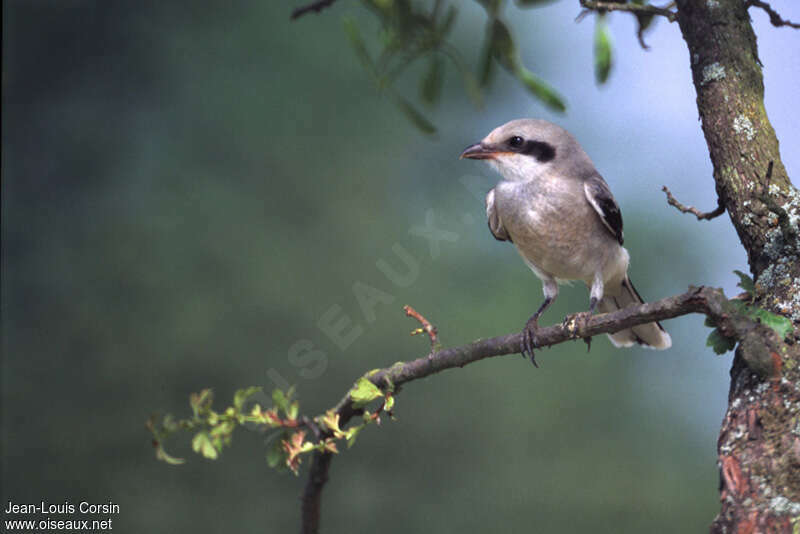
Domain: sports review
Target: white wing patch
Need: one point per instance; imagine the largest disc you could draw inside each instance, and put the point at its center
(599, 196)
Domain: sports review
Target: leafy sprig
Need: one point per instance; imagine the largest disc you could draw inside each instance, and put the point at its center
(213, 430)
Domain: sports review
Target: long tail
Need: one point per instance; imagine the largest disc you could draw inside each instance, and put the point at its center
(650, 335)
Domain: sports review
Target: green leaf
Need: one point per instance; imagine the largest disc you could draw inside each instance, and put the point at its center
(241, 396)
(359, 47)
(486, 68)
(294, 408)
(201, 401)
(352, 434)
(502, 45)
(388, 404)
(201, 444)
(745, 282)
(540, 89)
(225, 428)
(276, 456)
(720, 343)
(504, 50)
(162, 455)
(169, 424)
(280, 400)
(602, 50)
(413, 115)
(431, 87)
(364, 392)
(780, 324)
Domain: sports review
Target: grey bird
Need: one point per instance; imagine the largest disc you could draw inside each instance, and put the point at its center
(554, 206)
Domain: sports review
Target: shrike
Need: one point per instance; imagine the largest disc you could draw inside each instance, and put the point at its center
(554, 206)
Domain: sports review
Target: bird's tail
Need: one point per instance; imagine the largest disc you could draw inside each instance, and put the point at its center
(650, 335)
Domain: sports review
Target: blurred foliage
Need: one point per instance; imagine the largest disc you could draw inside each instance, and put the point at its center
(414, 31)
(418, 31)
(602, 50)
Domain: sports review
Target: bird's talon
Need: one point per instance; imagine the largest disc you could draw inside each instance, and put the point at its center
(529, 340)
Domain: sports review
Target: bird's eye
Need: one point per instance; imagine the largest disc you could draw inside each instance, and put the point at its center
(515, 142)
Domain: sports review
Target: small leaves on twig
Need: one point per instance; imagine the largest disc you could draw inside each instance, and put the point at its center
(723, 338)
(214, 430)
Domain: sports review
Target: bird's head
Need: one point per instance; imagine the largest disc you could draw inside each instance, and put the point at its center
(525, 149)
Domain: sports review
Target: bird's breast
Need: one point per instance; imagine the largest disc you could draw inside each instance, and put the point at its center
(554, 228)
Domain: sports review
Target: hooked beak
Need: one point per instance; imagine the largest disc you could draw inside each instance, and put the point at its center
(478, 151)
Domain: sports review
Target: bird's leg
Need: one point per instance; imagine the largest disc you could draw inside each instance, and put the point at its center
(529, 338)
(592, 306)
(577, 322)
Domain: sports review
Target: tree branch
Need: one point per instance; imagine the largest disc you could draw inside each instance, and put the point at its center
(774, 17)
(708, 301)
(645, 9)
(672, 201)
(316, 7)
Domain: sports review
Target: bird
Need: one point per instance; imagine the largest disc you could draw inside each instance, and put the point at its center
(553, 205)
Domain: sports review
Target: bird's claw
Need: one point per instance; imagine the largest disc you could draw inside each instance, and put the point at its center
(530, 339)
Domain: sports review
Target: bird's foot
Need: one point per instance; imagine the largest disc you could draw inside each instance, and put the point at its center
(530, 339)
(576, 323)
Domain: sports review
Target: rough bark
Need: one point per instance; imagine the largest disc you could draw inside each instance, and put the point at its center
(759, 443)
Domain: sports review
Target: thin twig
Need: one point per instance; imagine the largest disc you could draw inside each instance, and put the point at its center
(672, 201)
(708, 301)
(640, 37)
(774, 17)
(316, 7)
(427, 327)
(593, 5)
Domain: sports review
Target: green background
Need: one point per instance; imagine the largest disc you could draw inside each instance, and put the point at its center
(188, 187)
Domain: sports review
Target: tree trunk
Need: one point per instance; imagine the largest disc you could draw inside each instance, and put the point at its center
(759, 443)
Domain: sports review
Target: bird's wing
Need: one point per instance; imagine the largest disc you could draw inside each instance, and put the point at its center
(495, 224)
(599, 196)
